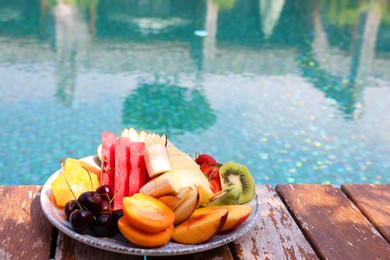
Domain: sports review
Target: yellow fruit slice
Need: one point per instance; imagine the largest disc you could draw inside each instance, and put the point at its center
(79, 181)
(204, 196)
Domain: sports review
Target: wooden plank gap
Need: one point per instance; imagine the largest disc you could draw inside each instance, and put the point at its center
(275, 234)
(333, 224)
(373, 201)
(53, 246)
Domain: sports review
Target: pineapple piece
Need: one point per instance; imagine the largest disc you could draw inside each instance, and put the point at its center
(79, 181)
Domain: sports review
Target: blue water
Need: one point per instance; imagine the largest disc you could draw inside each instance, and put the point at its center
(298, 91)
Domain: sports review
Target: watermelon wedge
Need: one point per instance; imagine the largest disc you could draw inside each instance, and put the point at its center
(108, 159)
(122, 170)
(138, 174)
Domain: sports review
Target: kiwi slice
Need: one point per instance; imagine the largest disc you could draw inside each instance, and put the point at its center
(227, 196)
(232, 173)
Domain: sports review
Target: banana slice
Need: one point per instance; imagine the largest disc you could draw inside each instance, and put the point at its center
(156, 160)
(161, 185)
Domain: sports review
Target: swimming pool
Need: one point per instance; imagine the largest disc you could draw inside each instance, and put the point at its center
(298, 91)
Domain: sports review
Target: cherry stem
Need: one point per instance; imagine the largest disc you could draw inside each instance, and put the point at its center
(67, 183)
(112, 198)
(109, 204)
(89, 175)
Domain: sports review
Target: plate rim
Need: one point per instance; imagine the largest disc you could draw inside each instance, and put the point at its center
(101, 243)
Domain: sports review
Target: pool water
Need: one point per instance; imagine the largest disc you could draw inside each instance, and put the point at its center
(299, 91)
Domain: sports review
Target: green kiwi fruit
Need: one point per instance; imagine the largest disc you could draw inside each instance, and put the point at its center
(227, 196)
(232, 173)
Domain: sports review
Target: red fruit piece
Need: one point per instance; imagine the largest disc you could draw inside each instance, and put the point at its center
(138, 173)
(108, 159)
(206, 158)
(215, 185)
(122, 170)
(212, 174)
(209, 171)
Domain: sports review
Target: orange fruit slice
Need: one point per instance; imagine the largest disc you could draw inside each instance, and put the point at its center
(147, 213)
(142, 238)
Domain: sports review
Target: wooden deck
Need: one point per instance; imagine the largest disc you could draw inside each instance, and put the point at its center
(296, 222)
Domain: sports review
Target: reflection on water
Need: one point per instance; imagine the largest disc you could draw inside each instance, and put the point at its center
(72, 39)
(270, 11)
(166, 108)
(294, 89)
(346, 90)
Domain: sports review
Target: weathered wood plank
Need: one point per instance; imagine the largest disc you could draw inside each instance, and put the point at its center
(222, 252)
(374, 202)
(275, 235)
(332, 223)
(69, 248)
(25, 233)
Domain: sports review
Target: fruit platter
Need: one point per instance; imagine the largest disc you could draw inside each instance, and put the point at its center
(141, 195)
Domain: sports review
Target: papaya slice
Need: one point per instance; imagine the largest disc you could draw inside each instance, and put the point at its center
(147, 213)
(142, 238)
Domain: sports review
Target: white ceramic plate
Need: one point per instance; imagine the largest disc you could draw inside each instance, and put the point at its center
(119, 244)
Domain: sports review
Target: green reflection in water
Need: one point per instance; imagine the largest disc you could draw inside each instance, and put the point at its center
(168, 109)
(225, 5)
(341, 13)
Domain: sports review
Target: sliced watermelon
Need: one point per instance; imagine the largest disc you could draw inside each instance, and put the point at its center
(108, 159)
(138, 173)
(122, 170)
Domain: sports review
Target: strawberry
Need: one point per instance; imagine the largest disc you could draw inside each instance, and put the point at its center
(206, 158)
(215, 185)
(212, 174)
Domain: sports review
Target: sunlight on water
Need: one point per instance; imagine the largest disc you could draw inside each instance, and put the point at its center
(296, 90)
